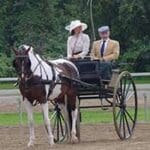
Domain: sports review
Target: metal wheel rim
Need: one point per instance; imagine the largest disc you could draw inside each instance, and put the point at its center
(124, 125)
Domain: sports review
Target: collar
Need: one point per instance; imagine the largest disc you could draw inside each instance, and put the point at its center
(78, 34)
(105, 40)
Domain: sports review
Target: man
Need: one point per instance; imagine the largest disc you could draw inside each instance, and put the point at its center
(105, 50)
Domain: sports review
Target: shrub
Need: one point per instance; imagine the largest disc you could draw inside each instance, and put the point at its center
(6, 68)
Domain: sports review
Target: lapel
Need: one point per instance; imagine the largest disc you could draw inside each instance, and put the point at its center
(98, 47)
(108, 48)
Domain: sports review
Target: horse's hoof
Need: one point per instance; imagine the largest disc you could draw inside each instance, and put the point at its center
(51, 142)
(74, 140)
(30, 144)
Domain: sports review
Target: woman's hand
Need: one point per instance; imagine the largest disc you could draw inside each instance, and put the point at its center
(76, 56)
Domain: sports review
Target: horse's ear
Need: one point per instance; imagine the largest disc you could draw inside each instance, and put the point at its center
(15, 51)
(28, 50)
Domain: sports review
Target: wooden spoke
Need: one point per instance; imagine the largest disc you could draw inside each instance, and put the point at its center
(124, 127)
(124, 86)
(120, 123)
(129, 116)
(118, 114)
(129, 96)
(127, 90)
(127, 123)
(59, 126)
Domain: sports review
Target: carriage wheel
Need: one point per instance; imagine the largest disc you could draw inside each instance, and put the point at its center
(125, 106)
(59, 125)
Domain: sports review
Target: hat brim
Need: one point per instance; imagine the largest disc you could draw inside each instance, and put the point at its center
(83, 25)
(103, 29)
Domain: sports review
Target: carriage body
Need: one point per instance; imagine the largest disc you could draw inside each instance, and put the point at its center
(89, 71)
(119, 93)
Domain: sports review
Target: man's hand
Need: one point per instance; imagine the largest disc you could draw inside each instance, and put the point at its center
(102, 59)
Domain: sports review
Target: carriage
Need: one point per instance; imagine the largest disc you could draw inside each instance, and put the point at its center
(119, 93)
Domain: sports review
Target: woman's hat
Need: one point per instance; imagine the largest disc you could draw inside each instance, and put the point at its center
(74, 24)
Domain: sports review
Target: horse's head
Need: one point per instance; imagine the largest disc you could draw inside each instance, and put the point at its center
(22, 63)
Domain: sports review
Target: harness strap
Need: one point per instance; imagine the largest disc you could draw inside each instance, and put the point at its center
(53, 83)
(41, 67)
(33, 71)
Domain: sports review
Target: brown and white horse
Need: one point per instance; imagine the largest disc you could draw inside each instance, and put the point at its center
(32, 70)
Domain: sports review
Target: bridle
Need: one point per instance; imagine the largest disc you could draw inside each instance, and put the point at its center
(26, 77)
(21, 73)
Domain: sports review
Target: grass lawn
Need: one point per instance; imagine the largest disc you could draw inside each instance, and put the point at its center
(7, 85)
(88, 116)
(142, 80)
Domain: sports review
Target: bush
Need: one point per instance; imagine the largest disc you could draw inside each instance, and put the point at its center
(137, 48)
(6, 69)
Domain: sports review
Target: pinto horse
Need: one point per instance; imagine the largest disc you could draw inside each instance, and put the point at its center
(32, 70)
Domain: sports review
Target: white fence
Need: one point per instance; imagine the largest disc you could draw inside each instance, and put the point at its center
(141, 74)
(8, 79)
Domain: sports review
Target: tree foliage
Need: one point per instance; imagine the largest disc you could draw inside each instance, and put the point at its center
(41, 23)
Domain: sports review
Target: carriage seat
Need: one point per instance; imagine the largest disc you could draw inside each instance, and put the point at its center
(88, 70)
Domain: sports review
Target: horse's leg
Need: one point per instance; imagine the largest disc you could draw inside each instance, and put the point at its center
(74, 115)
(29, 109)
(47, 123)
(66, 115)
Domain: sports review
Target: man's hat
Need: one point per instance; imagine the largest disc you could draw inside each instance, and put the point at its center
(103, 29)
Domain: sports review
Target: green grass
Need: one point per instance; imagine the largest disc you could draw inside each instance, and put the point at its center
(13, 118)
(88, 116)
(142, 80)
(96, 116)
(4, 86)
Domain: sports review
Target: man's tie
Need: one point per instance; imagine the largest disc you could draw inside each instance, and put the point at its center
(102, 49)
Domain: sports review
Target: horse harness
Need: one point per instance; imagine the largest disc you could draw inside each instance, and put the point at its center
(52, 83)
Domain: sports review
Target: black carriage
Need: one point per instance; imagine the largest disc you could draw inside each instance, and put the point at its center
(119, 93)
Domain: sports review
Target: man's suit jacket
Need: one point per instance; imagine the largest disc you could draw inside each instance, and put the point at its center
(111, 51)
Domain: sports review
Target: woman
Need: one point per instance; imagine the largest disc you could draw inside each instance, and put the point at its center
(78, 43)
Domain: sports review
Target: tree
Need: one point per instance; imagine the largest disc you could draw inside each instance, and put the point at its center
(41, 23)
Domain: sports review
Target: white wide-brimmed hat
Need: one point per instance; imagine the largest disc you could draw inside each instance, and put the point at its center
(74, 24)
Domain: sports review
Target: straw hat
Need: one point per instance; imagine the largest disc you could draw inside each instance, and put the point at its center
(74, 24)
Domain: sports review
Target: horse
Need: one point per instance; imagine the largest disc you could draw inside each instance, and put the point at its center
(32, 70)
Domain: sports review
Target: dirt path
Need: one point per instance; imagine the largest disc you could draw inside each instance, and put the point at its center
(94, 137)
